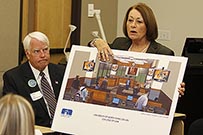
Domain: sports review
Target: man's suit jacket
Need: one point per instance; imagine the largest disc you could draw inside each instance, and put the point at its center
(123, 43)
(16, 81)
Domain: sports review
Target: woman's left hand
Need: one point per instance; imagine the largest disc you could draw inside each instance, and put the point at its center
(181, 89)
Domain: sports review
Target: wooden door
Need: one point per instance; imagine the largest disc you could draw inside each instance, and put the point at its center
(51, 17)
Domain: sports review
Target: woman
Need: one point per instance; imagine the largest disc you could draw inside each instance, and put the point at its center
(16, 116)
(141, 31)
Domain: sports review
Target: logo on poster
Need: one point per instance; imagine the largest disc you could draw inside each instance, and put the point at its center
(66, 112)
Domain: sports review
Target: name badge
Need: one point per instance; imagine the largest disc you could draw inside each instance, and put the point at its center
(36, 95)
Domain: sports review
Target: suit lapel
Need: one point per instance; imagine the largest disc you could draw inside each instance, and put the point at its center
(152, 48)
(54, 80)
(29, 76)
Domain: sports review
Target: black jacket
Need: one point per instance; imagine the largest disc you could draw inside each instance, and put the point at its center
(123, 43)
(16, 81)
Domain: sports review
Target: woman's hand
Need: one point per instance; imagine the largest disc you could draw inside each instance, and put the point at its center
(181, 89)
(103, 49)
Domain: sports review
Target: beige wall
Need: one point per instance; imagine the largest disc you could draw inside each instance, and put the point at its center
(108, 18)
(9, 34)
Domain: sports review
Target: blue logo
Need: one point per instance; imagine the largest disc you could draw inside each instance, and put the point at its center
(66, 112)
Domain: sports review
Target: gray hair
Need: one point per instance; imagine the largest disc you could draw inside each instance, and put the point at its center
(37, 35)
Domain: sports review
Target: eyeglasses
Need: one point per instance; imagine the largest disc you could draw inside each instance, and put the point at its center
(39, 51)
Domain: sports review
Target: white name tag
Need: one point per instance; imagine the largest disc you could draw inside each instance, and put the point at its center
(36, 95)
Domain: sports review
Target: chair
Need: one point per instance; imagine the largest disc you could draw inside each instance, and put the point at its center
(178, 124)
(196, 128)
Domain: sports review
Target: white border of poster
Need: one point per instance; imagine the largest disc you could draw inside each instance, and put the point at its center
(81, 118)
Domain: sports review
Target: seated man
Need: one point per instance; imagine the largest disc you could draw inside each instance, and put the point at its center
(104, 83)
(28, 79)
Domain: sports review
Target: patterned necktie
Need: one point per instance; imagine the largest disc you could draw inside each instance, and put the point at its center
(48, 94)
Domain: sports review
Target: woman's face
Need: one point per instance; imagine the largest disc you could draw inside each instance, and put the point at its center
(136, 27)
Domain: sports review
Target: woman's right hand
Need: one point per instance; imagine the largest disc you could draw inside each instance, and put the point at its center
(103, 49)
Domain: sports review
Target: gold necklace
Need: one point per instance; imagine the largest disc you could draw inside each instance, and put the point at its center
(143, 51)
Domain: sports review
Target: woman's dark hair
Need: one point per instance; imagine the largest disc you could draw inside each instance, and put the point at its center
(149, 20)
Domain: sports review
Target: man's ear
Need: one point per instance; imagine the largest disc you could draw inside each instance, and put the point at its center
(27, 53)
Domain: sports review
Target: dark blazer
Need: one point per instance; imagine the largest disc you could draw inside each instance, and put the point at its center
(123, 43)
(16, 81)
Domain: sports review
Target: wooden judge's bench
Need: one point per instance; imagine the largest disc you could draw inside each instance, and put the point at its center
(177, 127)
